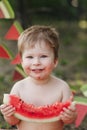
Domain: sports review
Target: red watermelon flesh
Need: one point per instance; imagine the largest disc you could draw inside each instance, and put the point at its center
(12, 33)
(4, 53)
(16, 60)
(17, 76)
(30, 112)
(82, 112)
(1, 14)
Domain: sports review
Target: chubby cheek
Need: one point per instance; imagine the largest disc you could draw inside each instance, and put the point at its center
(50, 67)
(26, 70)
(51, 64)
(25, 66)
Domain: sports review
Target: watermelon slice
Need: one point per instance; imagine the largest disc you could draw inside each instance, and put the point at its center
(16, 60)
(4, 52)
(32, 113)
(6, 10)
(14, 31)
(82, 112)
(1, 14)
(81, 109)
(20, 70)
(17, 76)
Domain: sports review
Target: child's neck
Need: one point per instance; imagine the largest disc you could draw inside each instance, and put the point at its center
(41, 81)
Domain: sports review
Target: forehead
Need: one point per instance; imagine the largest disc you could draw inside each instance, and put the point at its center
(38, 44)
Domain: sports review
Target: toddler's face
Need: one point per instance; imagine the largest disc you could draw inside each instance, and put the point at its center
(38, 61)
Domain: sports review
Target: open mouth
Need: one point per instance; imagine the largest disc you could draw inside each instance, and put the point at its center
(37, 70)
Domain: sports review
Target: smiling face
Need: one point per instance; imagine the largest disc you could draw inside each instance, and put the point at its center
(38, 61)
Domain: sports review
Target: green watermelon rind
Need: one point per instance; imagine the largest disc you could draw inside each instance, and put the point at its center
(80, 100)
(6, 100)
(52, 119)
(84, 89)
(18, 26)
(19, 69)
(7, 9)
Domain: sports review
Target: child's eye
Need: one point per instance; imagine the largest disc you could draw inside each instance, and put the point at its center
(44, 56)
(30, 57)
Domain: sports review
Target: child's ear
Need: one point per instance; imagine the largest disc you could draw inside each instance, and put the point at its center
(55, 63)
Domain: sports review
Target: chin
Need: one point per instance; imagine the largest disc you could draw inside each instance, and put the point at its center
(39, 78)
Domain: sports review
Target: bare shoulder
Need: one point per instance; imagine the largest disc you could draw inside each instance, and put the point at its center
(18, 86)
(63, 87)
(63, 84)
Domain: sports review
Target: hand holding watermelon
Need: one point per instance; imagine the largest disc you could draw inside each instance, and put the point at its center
(68, 115)
(7, 110)
(8, 113)
(29, 112)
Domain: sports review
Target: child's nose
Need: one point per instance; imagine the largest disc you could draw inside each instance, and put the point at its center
(36, 61)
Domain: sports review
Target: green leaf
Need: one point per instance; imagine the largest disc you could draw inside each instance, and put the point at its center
(84, 89)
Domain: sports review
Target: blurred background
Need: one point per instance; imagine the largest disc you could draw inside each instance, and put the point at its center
(69, 17)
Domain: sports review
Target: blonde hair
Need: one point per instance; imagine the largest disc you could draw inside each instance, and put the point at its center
(38, 33)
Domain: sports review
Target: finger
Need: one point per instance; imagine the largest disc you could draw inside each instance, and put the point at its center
(9, 108)
(72, 107)
(67, 112)
(9, 113)
(2, 106)
(66, 116)
(71, 98)
(6, 110)
(6, 107)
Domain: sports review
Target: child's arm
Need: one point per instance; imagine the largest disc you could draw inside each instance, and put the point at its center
(8, 111)
(68, 115)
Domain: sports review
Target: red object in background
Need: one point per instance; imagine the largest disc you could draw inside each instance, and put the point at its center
(12, 33)
(16, 60)
(82, 111)
(17, 76)
(1, 14)
(4, 53)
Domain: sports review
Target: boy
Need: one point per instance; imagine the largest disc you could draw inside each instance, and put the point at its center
(38, 47)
